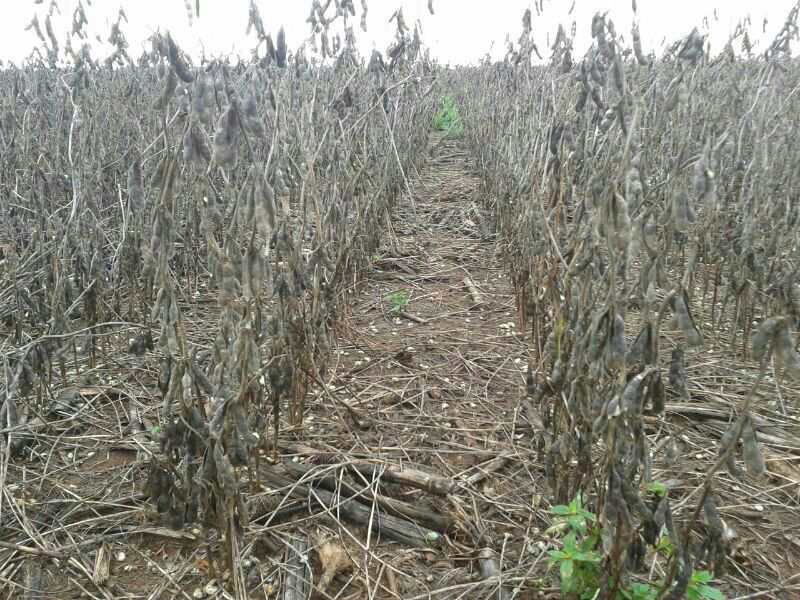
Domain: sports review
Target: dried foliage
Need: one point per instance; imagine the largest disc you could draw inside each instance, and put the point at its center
(275, 210)
(646, 211)
(651, 211)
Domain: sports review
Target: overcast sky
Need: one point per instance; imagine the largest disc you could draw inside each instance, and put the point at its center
(460, 31)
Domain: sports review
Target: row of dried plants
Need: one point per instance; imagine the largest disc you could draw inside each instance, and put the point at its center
(639, 196)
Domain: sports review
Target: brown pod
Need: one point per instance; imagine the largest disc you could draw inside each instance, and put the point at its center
(236, 450)
(170, 84)
(763, 338)
(256, 272)
(633, 397)
(677, 375)
(686, 322)
(252, 120)
(580, 103)
(642, 347)
(163, 503)
(596, 97)
(195, 148)
(280, 48)
(177, 516)
(135, 185)
(226, 140)
(598, 336)
(634, 555)
(751, 453)
(682, 212)
(250, 438)
(727, 444)
(632, 498)
(266, 208)
(785, 352)
(226, 475)
(622, 222)
(658, 394)
(157, 178)
(202, 98)
(152, 487)
(672, 93)
(177, 62)
(615, 351)
(637, 47)
(713, 520)
(611, 508)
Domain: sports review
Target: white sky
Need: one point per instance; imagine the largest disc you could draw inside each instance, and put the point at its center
(461, 31)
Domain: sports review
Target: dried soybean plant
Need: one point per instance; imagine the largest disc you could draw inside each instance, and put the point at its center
(292, 188)
(643, 203)
(151, 184)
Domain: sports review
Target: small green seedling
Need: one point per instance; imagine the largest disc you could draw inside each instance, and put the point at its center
(399, 301)
(657, 487)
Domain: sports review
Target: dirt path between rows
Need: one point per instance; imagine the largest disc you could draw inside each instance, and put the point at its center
(428, 373)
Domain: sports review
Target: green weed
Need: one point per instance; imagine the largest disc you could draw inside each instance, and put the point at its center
(448, 119)
(399, 300)
(579, 561)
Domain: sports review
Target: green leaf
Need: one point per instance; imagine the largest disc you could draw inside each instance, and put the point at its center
(657, 487)
(643, 591)
(701, 576)
(578, 523)
(706, 591)
(557, 554)
(569, 542)
(155, 430)
(560, 509)
(566, 570)
(593, 557)
(581, 557)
